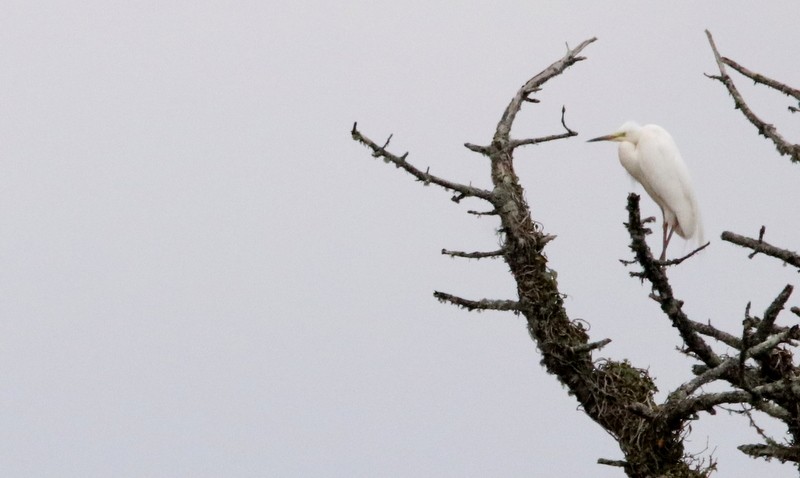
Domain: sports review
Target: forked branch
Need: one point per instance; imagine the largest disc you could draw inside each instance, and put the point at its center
(514, 143)
(769, 131)
(533, 85)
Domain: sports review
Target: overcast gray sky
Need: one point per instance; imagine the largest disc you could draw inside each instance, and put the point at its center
(202, 275)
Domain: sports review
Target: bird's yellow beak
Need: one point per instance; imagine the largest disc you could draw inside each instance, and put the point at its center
(608, 137)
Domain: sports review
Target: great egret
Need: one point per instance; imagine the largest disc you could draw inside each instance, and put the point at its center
(650, 155)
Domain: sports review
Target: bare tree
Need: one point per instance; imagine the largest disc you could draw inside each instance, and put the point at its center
(620, 397)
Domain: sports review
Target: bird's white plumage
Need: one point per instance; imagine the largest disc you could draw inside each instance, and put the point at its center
(650, 155)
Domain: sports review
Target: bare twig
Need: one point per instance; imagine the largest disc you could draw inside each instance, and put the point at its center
(483, 304)
(673, 262)
(590, 346)
(514, 143)
(769, 131)
(425, 177)
(618, 463)
(476, 148)
(493, 212)
(473, 255)
(787, 256)
(757, 428)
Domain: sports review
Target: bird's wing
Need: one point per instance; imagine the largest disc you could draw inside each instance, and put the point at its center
(668, 181)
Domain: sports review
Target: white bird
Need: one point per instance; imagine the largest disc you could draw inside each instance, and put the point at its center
(650, 155)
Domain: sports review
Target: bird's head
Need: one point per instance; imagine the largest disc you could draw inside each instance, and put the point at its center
(627, 132)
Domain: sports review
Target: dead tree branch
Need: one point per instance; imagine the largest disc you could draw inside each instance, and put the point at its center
(779, 452)
(759, 245)
(764, 80)
(606, 461)
(769, 131)
(427, 178)
(532, 86)
(580, 349)
(710, 331)
(473, 255)
(675, 262)
(483, 304)
(514, 143)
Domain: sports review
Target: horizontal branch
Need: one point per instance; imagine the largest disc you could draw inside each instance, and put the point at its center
(708, 401)
(514, 143)
(779, 452)
(590, 346)
(758, 245)
(477, 148)
(713, 332)
(424, 176)
(473, 255)
(493, 212)
(769, 131)
(483, 304)
(606, 461)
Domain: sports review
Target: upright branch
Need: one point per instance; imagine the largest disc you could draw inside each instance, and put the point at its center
(769, 131)
(534, 85)
(655, 273)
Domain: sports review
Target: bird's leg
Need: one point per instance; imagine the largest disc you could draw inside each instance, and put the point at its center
(669, 236)
(665, 237)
